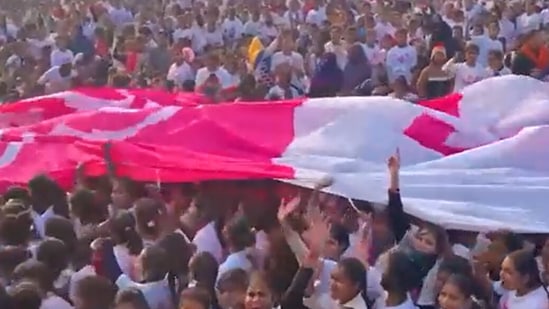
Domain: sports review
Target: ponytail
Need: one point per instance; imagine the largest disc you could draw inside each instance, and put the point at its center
(133, 241)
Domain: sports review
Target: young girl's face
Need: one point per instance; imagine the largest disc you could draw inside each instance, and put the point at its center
(341, 287)
(424, 241)
(258, 296)
(451, 297)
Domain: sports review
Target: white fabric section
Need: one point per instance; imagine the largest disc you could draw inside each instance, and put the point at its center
(503, 184)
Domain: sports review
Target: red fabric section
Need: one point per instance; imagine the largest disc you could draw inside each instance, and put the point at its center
(168, 143)
(432, 133)
(448, 104)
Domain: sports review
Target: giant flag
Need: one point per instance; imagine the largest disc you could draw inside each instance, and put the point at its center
(475, 160)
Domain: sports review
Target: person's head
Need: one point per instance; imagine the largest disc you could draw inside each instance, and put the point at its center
(438, 55)
(26, 294)
(231, 288)
(203, 269)
(457, 32)
(258, 294)
(18, 193)
(152, 264)
(495, 59)
(130, 298)
(180, 252)
(54, 254)
(401, 37)
(212, 61)
(10, 257)
(337, 243)
(452, 265)
(456, 293)
(94, 292)
(399, 276)
(84, 207)
(519, 271)
(122, 230)
(238, 234)
(62, 229)
(195, 298)
(348, 280)
(148, 214)
(430, 239)
(44, 193)
(336, 33)
(35, 271)
(471, 53)
(493, 30)
(125, 192)
(502, 243)
(15, 223)
(61, 42)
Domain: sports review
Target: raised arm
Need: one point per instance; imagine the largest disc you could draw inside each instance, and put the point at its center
(397, 218)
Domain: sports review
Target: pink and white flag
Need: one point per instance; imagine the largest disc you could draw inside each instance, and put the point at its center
(476, 160)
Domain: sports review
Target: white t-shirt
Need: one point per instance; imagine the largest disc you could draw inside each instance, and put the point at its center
(53, 80)
(527, 23)
(53, 301)
(339, 50)
(225, 79)
(464, 74)
(206, 240)
(180, 73)
(60, 57)
(538, 298)
(400, 61)
(485, 45)
(295, 60)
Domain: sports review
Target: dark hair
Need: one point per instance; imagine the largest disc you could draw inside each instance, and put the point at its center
(340, 234)
(180, 252)
(154, 262)
(399, 276)
(147, 212)
(62, 229)
(512, 241)
(525, 264)
(133, 296)
(84, 206)
(472, 47)
(122, 229)
(239, 233)
(455, 264)
(15, 223)
(198, 295)
(25, 294)
(96, 291)
(54, 254)
(464, 283)
(35, 271)
(234, 279)
(204, 270)
(355, 271)
(18, 193)
(10, 257)
(45, 193)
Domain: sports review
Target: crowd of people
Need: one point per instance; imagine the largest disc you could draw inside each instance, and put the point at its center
(408, 49)
(114, 243)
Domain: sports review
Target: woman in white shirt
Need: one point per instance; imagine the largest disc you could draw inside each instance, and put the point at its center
(520, 276)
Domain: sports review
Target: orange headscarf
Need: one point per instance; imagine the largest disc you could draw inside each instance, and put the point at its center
(540, 58)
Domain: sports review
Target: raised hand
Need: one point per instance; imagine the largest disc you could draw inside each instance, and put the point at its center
(286, 208)
(394, 162)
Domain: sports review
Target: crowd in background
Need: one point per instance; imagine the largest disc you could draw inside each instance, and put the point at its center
(408, 49)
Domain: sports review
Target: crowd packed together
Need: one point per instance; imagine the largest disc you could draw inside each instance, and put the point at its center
(116, 243)
(407, 49)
